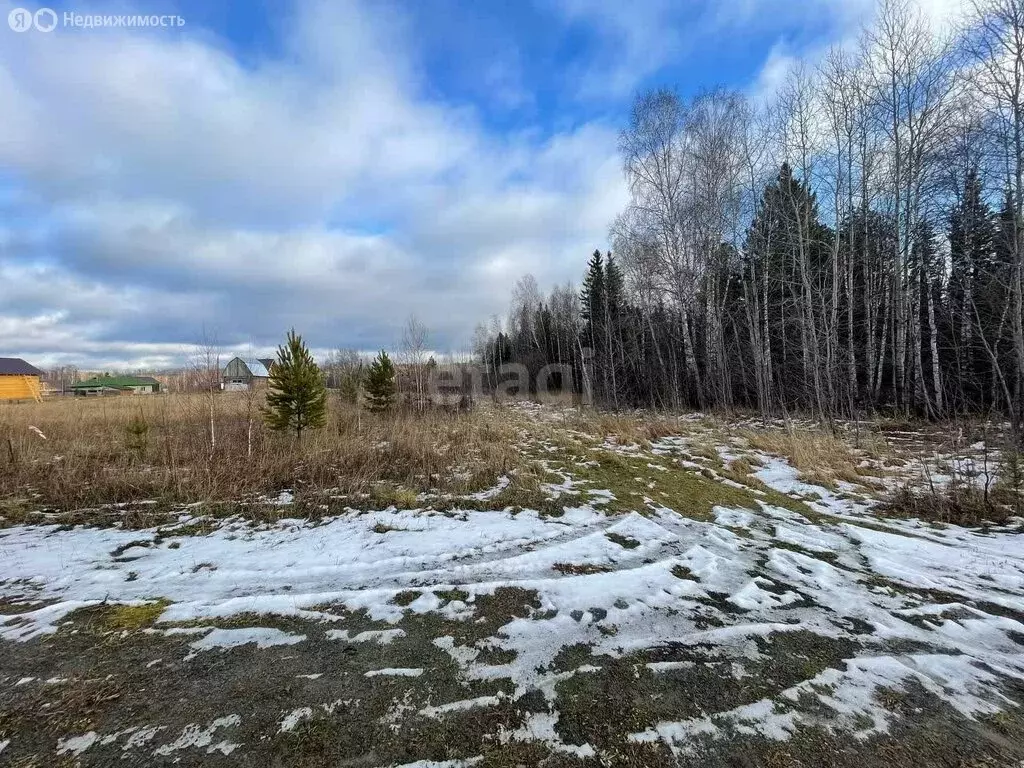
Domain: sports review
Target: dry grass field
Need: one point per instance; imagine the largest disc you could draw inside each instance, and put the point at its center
(81, 457)
(174, 449)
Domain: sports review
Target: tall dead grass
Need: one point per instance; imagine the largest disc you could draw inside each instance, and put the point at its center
(81, 452)
(625, 428)
(821, 458)
(959, 504)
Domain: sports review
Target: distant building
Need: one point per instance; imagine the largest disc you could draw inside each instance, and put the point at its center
(116, 385)
(19, 380)
(242, 374)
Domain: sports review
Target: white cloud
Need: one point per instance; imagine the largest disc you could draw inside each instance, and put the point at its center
(182, 119)
(177, 187)
(773, 74)
(847, 19)
(154, 183)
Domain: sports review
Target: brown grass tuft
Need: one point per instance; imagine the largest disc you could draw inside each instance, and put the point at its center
(740, 466)
(821, 457)
(959, 504)
(625, 428)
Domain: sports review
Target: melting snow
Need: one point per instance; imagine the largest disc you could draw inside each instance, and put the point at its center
(844, 576)
(263, 637)
(395, 672)
(194, 736)
(76, 745)
(381, 637)
(295, 717)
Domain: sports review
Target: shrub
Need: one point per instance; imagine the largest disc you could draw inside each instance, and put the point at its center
(298, 394)
(958, 504)
(137, 431)
(380, 384)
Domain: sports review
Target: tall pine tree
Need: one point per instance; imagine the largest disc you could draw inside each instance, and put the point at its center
(380, 384)
(297, 400)
(611, 347)
(592, 311)
(592, 298)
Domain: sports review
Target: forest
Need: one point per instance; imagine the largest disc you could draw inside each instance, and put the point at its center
(851, 245)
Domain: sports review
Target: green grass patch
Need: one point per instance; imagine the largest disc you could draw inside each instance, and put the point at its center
(569, 657)
(604, 707)
(829, 557)
(110, 617)
(405, 597)
(325, 740)
(391, 495)
(16, 511)
(687, 492)
(682, 572)
(626, 542)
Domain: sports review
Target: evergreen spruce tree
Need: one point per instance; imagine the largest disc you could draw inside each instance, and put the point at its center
(787, 247)
(298, 395)
(593, 306)
(971, 236)
(614, 297)
(1005, 232)
(971, 256)
(997, 272)
(614, 286)
(380, 384)
(592, 296)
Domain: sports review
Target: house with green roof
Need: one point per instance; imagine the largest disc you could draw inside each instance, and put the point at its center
(116, 385)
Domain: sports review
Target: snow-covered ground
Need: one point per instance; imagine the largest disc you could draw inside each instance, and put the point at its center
(903, 604)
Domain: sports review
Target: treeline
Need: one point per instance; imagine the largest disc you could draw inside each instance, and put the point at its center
(855, 245)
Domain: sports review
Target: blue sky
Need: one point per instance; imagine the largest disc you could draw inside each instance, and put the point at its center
(335, 166)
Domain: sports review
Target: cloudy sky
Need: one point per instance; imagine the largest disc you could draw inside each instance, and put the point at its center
(334, 166)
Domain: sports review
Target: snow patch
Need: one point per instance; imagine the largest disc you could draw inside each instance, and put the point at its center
(195, 736)
(381, 637)
(394, 672)
(76, 745)
(263, 637)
